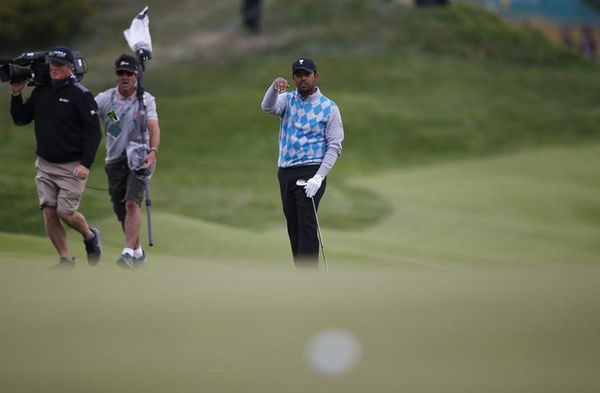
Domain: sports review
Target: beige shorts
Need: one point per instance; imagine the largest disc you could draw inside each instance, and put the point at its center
(57, 186)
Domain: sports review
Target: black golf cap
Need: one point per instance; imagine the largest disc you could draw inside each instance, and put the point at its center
(126, 63)
(304, 63)
(61, 55)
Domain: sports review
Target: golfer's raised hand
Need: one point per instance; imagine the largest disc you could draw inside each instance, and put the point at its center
(312, 185)
(281, 85)
(81, 172)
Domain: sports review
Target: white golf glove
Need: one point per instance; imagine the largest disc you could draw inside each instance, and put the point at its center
(312, 185)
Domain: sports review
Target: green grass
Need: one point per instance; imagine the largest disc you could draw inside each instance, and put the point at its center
(481, 277)
(461, 222)
(220, 150)
(424, 86)
(524, 209)
(190, 327)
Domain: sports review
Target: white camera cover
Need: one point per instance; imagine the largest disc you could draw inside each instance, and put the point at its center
(138, 34)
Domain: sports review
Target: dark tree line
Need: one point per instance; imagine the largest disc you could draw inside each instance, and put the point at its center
(34, 24)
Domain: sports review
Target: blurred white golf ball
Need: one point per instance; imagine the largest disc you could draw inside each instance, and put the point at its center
(333, 352)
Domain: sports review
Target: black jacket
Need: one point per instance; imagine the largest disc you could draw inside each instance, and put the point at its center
(67, 128)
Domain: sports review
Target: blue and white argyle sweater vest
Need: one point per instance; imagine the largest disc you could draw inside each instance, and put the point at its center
(302, 133)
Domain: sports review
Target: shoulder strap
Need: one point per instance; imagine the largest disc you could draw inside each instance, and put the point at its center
(126, 111)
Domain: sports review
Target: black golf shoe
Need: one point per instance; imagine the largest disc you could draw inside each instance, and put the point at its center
(93, 247)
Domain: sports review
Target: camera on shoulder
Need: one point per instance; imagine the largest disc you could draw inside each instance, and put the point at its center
(34, 66)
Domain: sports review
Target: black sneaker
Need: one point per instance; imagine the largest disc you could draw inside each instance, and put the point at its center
(93, 247)
(65, 263)
(126, 261)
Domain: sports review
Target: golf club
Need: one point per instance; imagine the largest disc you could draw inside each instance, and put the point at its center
(302, 183)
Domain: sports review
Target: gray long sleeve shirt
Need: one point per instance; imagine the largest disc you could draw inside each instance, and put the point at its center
(311, 130)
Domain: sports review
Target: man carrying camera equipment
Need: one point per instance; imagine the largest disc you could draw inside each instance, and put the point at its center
(118, 107)
(67, 136)
(310, 141)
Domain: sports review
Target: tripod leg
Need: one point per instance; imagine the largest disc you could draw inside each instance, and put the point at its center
(148, 213)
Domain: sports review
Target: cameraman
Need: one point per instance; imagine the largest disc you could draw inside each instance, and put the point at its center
(67, 134)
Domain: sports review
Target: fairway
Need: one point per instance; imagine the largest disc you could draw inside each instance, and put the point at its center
(482, 278)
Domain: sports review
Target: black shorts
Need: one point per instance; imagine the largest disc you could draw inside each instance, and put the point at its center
(123, 186)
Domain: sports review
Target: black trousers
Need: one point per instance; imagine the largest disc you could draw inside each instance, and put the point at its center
(300, 215)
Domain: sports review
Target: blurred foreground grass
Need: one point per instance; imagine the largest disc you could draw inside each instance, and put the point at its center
(192, 327)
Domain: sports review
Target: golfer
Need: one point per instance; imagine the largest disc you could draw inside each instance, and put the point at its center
(310, 141)
(67, 135)
(119, 108)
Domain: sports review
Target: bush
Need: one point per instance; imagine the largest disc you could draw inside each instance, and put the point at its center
(33, 24)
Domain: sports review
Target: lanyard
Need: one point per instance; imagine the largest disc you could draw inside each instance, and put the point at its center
(126, 111)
